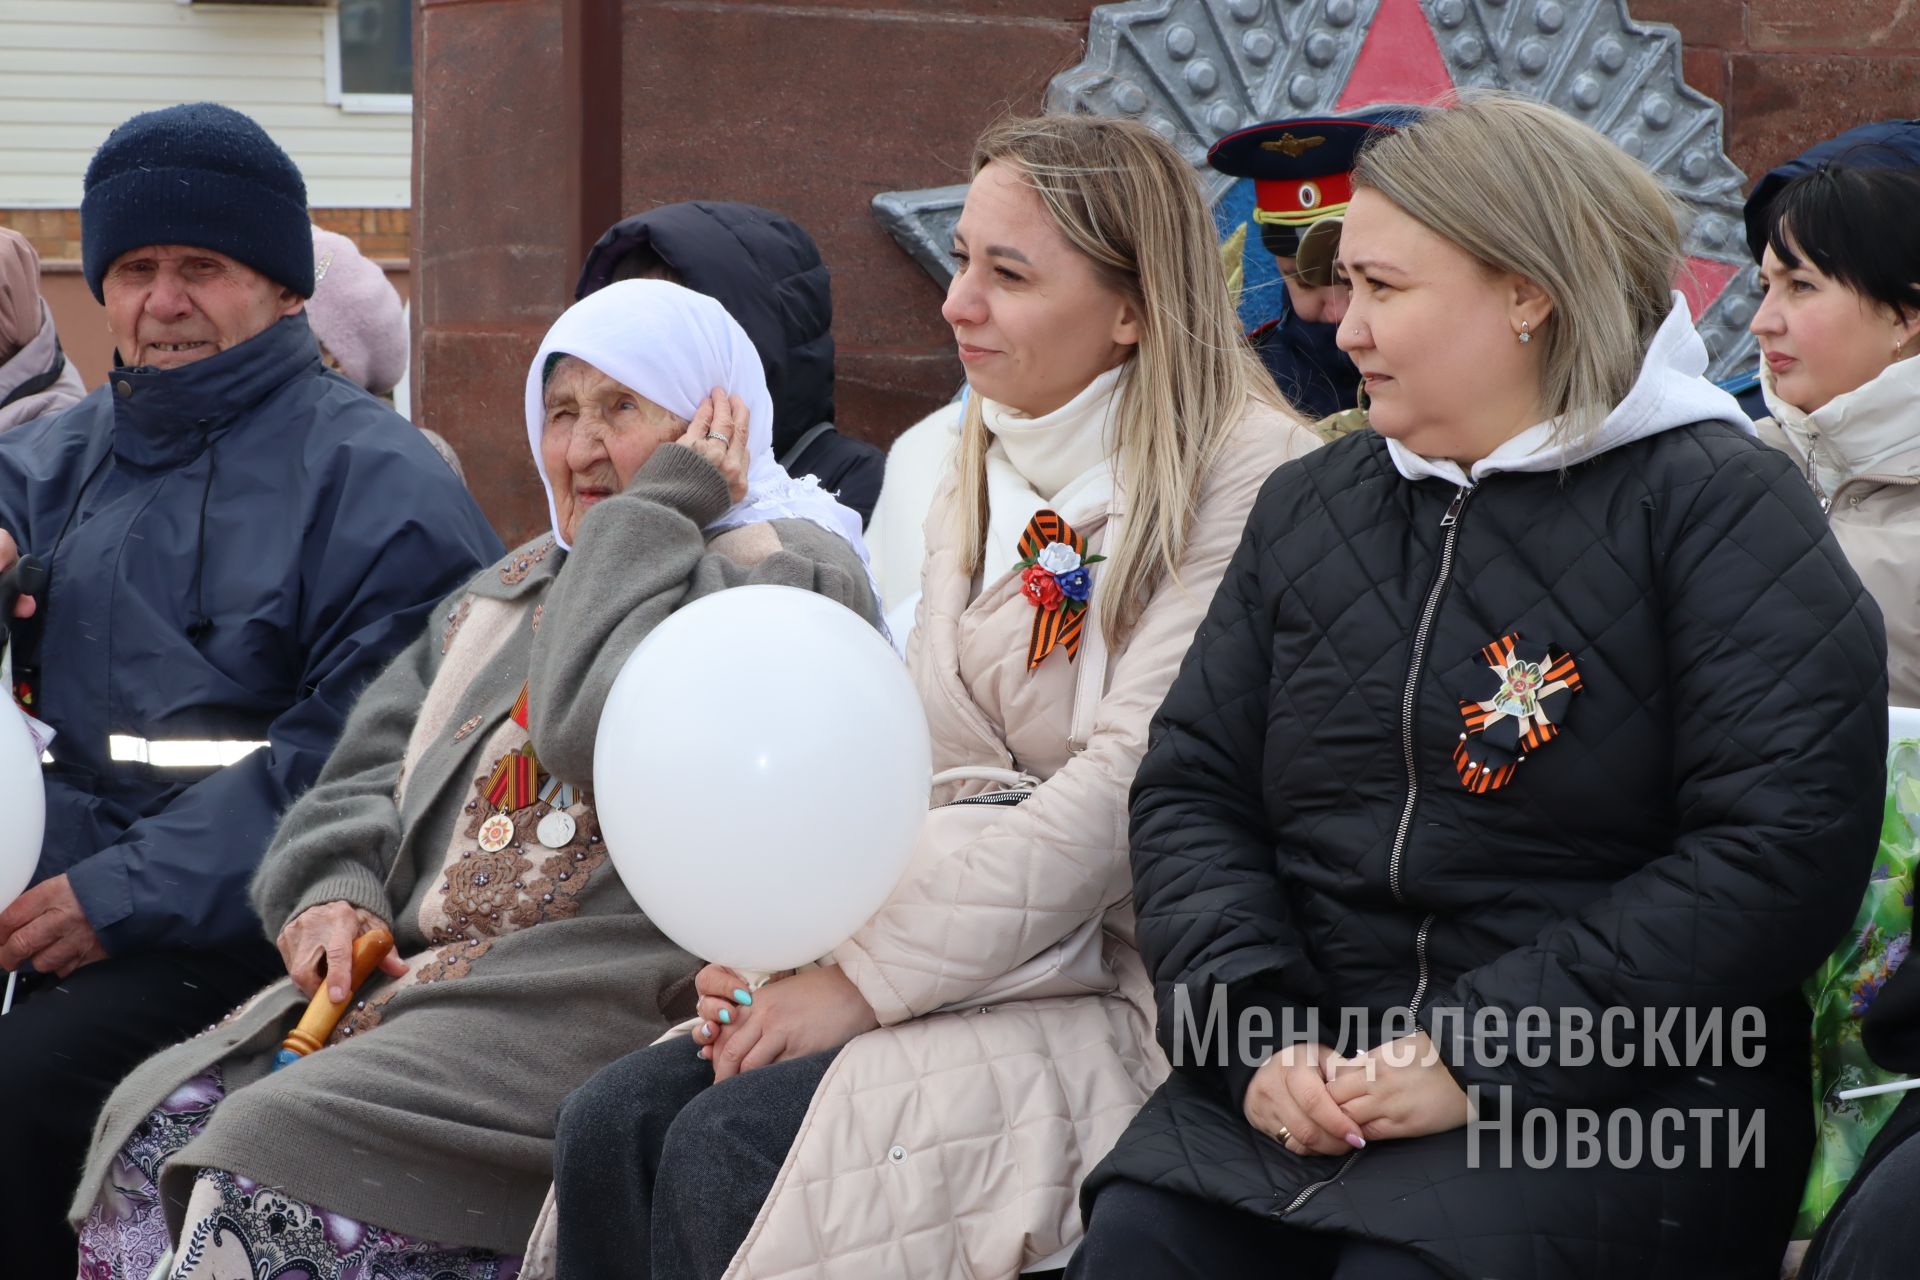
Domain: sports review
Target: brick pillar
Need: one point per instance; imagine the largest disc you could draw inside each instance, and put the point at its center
(537, 123)
(515, 157)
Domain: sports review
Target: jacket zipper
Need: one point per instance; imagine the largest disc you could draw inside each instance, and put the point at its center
(1451, 523)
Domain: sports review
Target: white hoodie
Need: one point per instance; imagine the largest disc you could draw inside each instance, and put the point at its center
(1671, 391)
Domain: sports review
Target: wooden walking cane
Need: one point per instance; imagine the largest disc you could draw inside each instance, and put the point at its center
(322, 1014)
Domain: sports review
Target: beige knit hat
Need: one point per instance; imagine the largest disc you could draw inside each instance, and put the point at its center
(356, 313)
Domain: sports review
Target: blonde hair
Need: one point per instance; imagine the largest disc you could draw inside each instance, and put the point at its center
(1124, 197)
(1527, 189)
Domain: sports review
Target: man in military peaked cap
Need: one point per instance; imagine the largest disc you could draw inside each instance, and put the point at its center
(1302, 171)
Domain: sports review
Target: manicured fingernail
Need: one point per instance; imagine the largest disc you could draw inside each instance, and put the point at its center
(701, 1053)
(706, 1031)
(1355, 1141)
(724, 1016)
(742, 997)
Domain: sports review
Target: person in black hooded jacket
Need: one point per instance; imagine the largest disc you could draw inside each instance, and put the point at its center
(766, 271)
(1535, 737)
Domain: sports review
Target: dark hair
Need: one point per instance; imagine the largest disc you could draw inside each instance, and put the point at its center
(644, 263)
(1860, 226)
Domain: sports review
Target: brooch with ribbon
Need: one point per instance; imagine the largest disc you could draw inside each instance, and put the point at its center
(1526, 688)
(1056, 580)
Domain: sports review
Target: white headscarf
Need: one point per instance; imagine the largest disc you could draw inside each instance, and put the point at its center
(674, 346)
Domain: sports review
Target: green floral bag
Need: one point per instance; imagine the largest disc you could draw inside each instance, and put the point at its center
(1842, 990)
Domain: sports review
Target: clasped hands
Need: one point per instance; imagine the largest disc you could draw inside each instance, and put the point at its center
(793, 1015)
(1318, 1103)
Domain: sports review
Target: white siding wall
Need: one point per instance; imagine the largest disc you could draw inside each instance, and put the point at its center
(72, 69)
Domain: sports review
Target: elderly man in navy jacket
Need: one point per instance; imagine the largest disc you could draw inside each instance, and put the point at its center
(237, 542)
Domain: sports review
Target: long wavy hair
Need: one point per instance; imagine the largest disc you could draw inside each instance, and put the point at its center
(1124, 197)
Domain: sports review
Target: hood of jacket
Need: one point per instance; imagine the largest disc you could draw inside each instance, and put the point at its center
(1884, 143)
(1872, 430)
(36, 366)
(1671, 391)
(766, 271)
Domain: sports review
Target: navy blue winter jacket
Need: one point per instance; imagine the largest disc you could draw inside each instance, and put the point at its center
(237, 547)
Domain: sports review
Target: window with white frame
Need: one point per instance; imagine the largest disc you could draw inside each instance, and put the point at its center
(370, 55)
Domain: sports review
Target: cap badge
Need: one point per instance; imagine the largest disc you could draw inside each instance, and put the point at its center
(1292, 146)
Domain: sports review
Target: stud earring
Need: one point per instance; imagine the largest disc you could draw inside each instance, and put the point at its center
(1524, 335)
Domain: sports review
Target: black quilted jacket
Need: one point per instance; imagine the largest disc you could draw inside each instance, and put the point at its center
(1695, 838)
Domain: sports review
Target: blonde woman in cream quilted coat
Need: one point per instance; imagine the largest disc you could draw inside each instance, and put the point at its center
(926, 1102)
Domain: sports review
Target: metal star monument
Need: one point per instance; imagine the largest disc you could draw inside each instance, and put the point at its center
(1196, 69)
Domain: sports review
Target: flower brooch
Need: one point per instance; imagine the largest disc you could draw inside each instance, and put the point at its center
(1056, 580)
(1526, 687)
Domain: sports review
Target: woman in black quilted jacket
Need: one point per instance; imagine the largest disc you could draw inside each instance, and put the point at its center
(1528, 759)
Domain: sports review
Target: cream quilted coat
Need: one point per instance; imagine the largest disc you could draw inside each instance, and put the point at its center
(952, 1141)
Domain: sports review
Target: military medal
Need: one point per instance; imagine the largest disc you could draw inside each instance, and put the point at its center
(556, 830)
(513, 784)
(1525, 689)
(496, 833)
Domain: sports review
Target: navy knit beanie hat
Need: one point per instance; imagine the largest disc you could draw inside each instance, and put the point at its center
(202, 175)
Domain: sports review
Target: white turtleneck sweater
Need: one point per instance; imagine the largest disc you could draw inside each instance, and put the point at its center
(1861, 433)
(1062, 460)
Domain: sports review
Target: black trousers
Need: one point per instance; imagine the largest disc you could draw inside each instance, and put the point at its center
(64, 1047)
(1142, 1233)
(659, 1173)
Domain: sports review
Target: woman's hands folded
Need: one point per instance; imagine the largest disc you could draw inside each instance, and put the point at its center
(799, 1014)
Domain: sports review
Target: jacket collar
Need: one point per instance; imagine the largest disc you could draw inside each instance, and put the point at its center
(1872, 431)
(1671, 391)
(164, 417)
(38, 361)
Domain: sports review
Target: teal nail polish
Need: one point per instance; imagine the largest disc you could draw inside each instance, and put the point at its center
(725, 1016)
(742, 997)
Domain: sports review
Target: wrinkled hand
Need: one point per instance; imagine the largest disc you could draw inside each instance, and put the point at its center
(1288, 1100)
(45, 925)
(808, 1012)
(1402, 1089)
(718, 433)
(9, 553)
(318, 943)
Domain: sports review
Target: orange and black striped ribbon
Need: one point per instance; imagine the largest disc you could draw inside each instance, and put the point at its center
(520, 708)
(1061, 627)
(1481, 775)
(515, 781)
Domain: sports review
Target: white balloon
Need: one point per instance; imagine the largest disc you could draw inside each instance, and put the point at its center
(760, 775)
(23, 799)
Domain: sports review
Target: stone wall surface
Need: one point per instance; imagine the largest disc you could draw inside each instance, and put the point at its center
(538, 122)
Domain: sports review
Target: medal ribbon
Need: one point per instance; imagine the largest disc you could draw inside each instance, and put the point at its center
(1485, 764)
(1053, 628)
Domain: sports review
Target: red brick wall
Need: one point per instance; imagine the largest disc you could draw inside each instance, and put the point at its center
(382, 234)
(1791, 72)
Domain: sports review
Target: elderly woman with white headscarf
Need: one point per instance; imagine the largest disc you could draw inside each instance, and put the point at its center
(458, 812)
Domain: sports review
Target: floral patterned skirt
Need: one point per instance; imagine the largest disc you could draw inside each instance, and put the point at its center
(236, 1227)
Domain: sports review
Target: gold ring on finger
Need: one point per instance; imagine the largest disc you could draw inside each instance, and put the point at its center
(1285, 1135)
